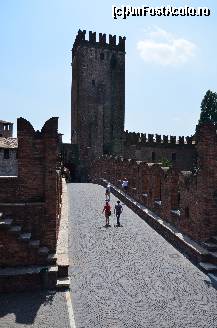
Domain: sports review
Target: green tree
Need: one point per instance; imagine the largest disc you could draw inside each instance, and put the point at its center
(165, 162)
(208, 108)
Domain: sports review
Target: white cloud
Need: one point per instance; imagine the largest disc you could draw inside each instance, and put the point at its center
(164, 48)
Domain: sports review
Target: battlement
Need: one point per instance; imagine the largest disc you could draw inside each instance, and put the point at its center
(164, 188)
(81, 40)
(133, 138)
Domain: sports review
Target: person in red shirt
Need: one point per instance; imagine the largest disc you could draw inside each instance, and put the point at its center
(107, 210)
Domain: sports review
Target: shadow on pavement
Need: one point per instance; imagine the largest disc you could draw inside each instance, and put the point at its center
(24, 305)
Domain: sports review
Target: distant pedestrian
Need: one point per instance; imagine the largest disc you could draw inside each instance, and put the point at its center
(107, 192)
(117, 211)
(125, 184)
(107, 210)
(66, 174)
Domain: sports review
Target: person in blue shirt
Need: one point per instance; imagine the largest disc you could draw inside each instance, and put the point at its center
(117, 211)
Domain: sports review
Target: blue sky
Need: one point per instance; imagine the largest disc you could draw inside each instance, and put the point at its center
(170, 61)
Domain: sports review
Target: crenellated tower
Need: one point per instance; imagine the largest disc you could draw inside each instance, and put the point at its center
(97, 94)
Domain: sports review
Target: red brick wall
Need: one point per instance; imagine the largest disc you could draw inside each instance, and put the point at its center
(33, 199)
(31, 164)
(8, 189)
(194, 194)
(14, 252)
(199, 191)
(28, 215)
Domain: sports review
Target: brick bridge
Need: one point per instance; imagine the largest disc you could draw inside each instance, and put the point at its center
(127, 277)
(120, 277)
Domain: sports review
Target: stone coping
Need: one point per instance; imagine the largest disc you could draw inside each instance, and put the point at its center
(63, 237)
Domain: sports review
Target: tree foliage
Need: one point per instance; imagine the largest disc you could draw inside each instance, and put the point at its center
(165, 162)
(208, 108)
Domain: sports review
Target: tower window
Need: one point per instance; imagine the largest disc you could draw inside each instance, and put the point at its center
(102, 56)
(93, 83)
(153, 157)
(173, 156)
(113, 61)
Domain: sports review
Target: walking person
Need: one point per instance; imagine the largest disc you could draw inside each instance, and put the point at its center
(117, 211)
(125, 184)
(107, 210)
(107, 192)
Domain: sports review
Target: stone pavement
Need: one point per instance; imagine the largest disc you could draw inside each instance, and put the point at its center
(130, 277)
(34, 309)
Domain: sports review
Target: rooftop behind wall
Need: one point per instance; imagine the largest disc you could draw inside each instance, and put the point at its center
(81, 40)
(133, 138)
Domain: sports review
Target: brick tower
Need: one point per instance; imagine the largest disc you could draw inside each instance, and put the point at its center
(97, 94)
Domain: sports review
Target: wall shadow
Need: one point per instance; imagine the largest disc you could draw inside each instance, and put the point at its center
(24, 305)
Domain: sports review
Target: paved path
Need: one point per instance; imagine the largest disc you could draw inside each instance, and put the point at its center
(131, 277)
(34, 309)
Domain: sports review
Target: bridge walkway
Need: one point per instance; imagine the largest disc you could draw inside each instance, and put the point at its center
(130, 277)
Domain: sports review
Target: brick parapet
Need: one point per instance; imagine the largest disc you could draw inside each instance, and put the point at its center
(187, 199)
(33, 198)
(140, 139)
(179, 151)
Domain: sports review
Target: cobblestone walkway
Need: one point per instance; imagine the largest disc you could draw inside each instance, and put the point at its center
(131, 277)
(34, 309)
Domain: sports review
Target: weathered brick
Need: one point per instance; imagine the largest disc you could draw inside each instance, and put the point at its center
(187, 199)
(33, 198)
